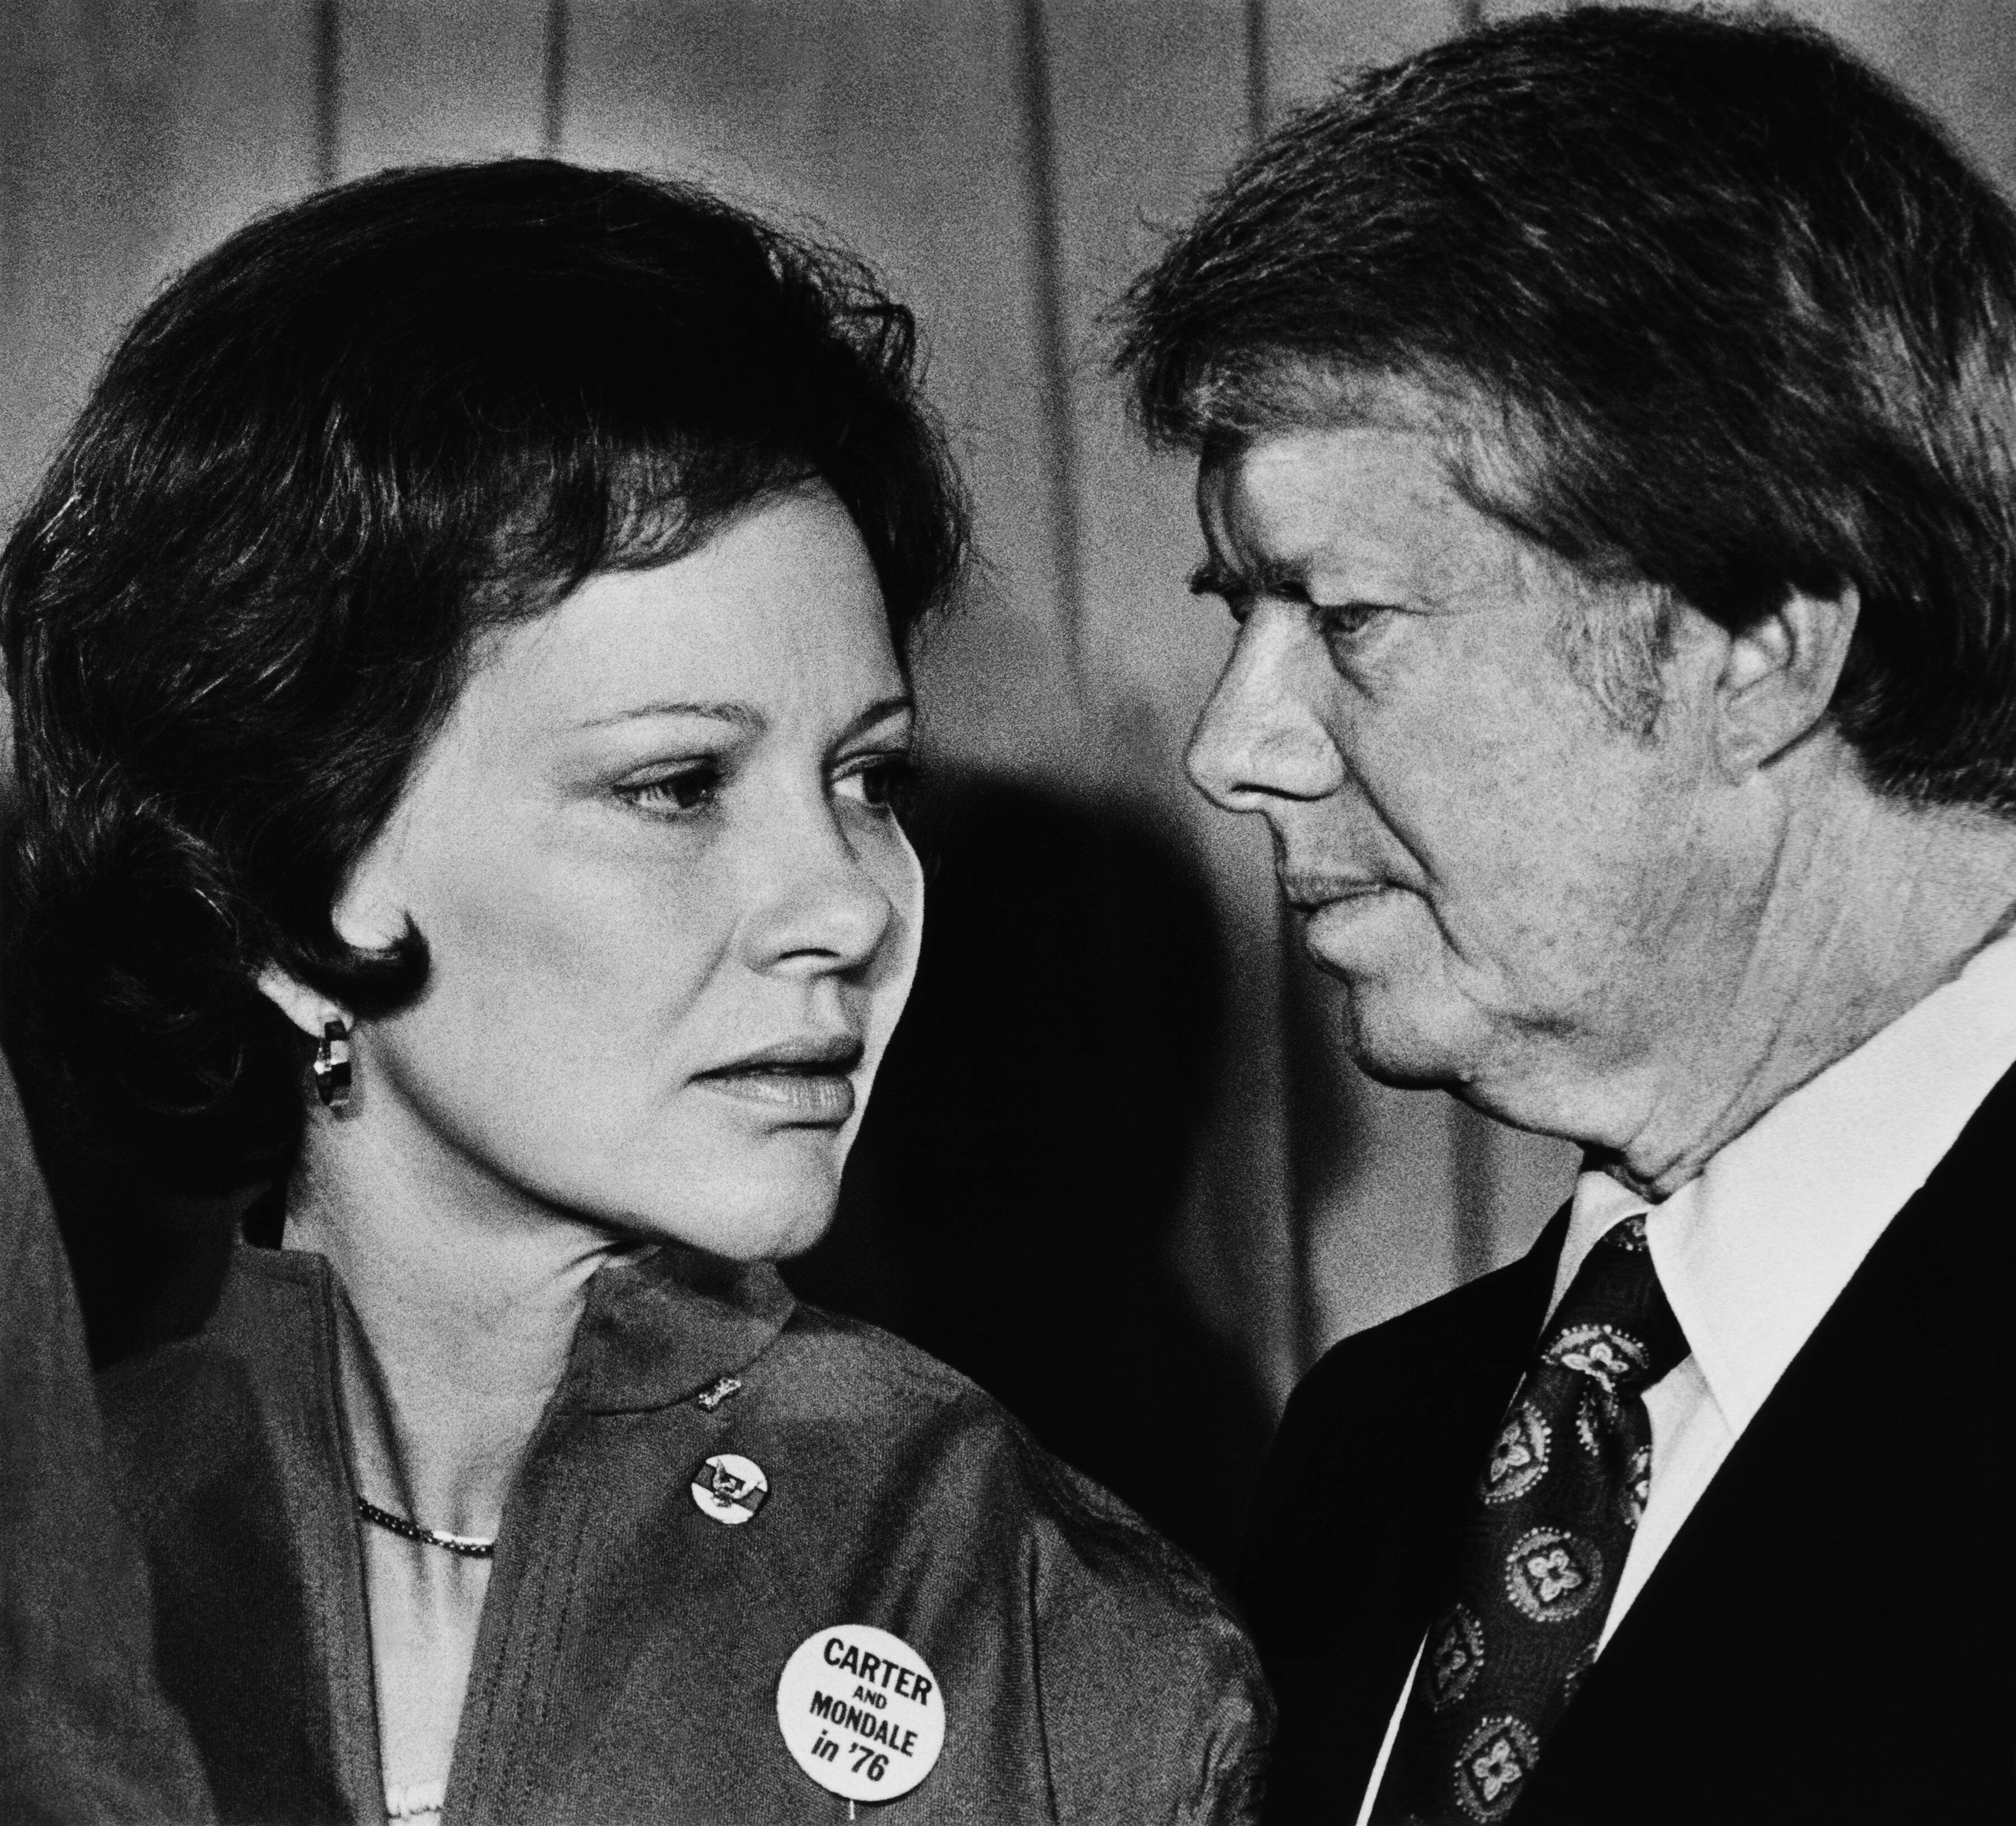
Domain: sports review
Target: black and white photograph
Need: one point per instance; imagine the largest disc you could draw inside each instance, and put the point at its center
(1097, 913)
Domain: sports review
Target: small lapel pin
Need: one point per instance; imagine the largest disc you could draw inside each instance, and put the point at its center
(717, 1392)
(729, 1488)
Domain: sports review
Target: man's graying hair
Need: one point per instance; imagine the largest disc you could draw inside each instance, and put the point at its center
(1739, 319)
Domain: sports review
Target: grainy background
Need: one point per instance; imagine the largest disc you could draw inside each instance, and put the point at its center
(1118, 1169)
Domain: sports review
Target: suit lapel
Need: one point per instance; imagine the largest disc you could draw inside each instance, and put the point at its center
(1356, 1514)
(1797, 1652)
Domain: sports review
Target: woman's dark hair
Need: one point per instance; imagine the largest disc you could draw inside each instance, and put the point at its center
(1733, 311)
(321, 461)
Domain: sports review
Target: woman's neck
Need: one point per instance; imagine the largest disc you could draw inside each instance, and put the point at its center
(461, 1303)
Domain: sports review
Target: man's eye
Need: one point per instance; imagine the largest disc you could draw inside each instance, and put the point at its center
(690, 789)
(1348, 621)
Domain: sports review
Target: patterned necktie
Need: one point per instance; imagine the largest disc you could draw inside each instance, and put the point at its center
(1556, 1503)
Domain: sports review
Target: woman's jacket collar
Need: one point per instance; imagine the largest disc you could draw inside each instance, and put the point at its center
(661, 1330)
(657, 1329)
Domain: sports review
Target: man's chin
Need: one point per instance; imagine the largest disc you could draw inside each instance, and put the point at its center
(1405, 1073)
(1396, 1043)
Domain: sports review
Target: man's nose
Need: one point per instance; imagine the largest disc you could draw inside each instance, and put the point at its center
(1261, 739)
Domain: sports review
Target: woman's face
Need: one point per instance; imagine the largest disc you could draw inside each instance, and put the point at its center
(672, 920)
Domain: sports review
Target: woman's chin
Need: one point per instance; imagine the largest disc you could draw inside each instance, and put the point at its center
(765, 1218)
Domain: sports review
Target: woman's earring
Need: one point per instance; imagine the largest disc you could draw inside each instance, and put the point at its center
(332, 1066)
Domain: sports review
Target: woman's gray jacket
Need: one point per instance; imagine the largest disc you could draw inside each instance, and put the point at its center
(627, 1662)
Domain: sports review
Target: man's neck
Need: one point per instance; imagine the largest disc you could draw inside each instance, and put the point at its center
(461, 1304)
(1869, 907)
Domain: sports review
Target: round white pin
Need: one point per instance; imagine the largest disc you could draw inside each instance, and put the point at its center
(861, 1712)
(729, 1488)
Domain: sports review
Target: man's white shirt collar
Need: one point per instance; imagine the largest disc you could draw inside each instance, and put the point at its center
(1754, 1250)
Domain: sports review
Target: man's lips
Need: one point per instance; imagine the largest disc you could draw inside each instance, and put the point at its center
(1311, 893)
(1341, 915)
(805, 1078)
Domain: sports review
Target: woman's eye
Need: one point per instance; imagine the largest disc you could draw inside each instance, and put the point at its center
(691, 789)
(879, 781)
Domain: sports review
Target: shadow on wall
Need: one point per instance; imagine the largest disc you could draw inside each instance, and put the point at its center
(1012, 1204)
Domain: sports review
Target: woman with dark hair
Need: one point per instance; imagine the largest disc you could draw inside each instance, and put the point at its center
(459, 688)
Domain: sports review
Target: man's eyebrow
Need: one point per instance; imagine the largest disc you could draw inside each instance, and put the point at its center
(1214, 577)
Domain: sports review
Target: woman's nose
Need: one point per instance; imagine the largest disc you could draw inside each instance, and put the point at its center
(1261, 739)
(821, 910)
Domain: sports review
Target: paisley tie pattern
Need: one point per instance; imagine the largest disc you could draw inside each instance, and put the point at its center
(1558, 1499)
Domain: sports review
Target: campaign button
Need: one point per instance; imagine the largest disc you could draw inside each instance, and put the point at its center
(861, 1712)
(729, 1488)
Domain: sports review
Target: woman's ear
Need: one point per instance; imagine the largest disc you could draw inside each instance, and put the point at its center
(308, 1009)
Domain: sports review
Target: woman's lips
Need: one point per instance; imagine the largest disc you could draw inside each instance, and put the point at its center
(807, 1079)
(823, 1098)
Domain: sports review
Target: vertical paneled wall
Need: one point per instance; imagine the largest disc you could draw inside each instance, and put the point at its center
(1007, 164)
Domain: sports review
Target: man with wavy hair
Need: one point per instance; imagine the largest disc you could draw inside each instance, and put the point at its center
(1607, 450)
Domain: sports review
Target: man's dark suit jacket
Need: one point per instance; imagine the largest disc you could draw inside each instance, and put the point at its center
(1831, 1636)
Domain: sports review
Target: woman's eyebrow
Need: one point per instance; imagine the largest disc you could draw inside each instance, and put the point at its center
(745, 716)
(901, 705)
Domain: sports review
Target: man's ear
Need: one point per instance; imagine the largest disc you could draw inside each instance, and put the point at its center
(308, 1009)
(1778, 676)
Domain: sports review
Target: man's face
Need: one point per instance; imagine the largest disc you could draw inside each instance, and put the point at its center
(1512, 888)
